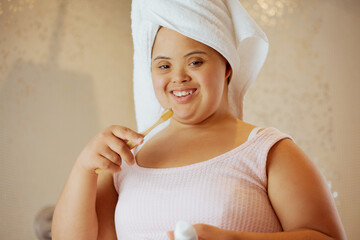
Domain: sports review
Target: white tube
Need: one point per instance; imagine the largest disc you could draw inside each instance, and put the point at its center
(184, 231)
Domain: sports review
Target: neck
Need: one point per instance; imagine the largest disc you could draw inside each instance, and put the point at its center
(218, 119)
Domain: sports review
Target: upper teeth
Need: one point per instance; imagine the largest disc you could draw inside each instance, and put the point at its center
(183, 93)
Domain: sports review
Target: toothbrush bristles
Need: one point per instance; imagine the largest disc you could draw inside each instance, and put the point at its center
(167, 114)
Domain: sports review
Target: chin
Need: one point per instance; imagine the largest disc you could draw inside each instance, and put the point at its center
(188, 119)
(190, 114)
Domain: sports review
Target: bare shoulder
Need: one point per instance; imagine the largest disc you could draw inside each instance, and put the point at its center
(299, 193)
(247, 126)
(285, 155)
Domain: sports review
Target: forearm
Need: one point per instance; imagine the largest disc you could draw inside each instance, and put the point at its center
(303, 234)
(75, 213)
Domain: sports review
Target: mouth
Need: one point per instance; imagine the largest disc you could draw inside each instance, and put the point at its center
(184, 95)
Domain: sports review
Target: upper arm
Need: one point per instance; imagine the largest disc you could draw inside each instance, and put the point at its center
(298, 192)
(106, 199)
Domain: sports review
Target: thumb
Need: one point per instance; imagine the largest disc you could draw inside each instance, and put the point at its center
(170, 234)
(131, 144)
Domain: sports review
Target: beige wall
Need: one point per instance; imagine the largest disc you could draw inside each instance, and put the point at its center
(65, 74)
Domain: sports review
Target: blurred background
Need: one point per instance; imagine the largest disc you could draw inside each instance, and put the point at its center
(66, 74)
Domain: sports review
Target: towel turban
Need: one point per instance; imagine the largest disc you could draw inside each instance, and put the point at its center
(223, 25)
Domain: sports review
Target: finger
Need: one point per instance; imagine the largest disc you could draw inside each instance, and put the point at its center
(105, 164)
(127, 134)
(170, 234)
(205, 231)
(112, 156)
(118, 146)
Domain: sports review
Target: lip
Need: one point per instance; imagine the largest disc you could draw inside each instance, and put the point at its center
(185, 99)
(182, 89)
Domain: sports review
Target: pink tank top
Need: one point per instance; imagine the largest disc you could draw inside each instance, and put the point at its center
(228, 191)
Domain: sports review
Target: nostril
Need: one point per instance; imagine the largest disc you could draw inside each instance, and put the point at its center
(181, 81)
(181, 78)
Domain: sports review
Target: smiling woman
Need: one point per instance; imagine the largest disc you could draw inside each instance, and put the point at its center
(228, 178)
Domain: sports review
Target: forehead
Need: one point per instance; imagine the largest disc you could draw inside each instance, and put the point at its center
(169, 40)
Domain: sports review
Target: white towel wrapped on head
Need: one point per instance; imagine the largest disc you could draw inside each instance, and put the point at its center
(223, 25)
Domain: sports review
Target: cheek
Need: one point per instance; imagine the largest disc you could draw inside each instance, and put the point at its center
(159, 85)
(213, 83)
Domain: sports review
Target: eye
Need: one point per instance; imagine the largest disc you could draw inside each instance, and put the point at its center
(164, 66)
(196, 63)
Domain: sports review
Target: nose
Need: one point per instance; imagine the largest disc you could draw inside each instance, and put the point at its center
(181, 76)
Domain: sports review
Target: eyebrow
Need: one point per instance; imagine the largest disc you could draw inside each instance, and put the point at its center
(186, 55)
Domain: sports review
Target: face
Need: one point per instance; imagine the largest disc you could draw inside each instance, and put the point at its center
(188, 76)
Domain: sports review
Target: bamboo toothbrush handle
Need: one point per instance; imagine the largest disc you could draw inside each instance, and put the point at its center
(146, 132)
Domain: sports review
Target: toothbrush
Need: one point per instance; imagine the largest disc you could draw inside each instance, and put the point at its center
(164, 117)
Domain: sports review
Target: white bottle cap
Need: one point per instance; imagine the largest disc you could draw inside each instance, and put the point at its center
(184, 231)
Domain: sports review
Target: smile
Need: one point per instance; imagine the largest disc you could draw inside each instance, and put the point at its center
(183, 95)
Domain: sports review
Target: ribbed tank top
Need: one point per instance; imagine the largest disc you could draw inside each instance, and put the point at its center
(228, 191)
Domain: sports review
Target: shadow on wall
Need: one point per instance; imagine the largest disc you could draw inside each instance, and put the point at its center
(46, 113)
(42, 108)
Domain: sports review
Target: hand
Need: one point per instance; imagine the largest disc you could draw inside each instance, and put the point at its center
(208, 232)
(108, 148)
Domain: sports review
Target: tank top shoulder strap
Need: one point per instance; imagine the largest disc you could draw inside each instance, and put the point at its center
(253, 132)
